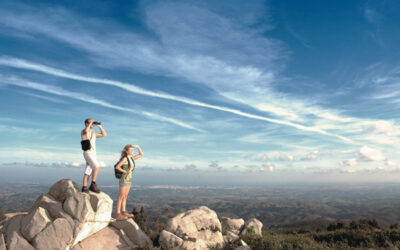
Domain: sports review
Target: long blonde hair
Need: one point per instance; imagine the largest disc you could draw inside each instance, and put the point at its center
(124, 152)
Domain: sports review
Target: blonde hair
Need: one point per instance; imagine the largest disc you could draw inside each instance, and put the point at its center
(124, 152)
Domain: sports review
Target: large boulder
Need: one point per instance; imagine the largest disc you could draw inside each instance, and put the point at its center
(59, 219)
(78, 206)
(256, 226)
(62, 189)
(57, 235)
(34, 223)
(210, 237)
(16, 241)
(169, 240)
(92, 212)
(127, 240)
(194, 245)
(53, 207)
(12, 226)
(198, 228)
(108, 238)
(134, 233)
(232, 225)
(189, 223)
(232, 228)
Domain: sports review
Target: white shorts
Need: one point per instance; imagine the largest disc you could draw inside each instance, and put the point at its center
(91, 161)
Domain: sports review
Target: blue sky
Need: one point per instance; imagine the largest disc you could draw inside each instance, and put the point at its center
(273, 90)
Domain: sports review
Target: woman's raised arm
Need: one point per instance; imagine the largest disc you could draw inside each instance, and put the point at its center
(140, 152)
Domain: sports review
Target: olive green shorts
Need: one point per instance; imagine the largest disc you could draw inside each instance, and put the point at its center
(123, 182)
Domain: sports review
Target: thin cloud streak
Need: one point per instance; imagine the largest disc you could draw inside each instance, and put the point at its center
(90, 99)
(23, 64)
(47, 98)
(182, 61)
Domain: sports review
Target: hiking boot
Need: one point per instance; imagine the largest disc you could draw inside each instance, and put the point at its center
(85, 190)
(93, 187)
(125, 213)
(120, 216)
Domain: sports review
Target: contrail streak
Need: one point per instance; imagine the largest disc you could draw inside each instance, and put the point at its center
(85, 98)
(23, 64)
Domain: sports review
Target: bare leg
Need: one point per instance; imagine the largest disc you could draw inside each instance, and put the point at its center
(120, 198)
(126, 196)
(126, 189)
(94, 175)
(85, 180)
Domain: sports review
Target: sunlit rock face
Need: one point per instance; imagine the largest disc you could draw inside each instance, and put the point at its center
(233, 225)
(132, 233)
(58, 219)
(200, 228)
(197, 228)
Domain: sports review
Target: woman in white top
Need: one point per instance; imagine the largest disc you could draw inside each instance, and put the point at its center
(92, 165)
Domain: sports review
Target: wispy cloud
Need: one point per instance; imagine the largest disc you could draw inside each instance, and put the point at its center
(18, 129)
(47, 98)
(86, 98)
(18, 63)
(187, 167)
(45, 155)
(171, 120)
(196, 43)
(383, 127)
(372, 15)
(385, 81)
(241, 74)
(244, 75)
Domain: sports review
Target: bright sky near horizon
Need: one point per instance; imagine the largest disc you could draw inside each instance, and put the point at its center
(273, 88)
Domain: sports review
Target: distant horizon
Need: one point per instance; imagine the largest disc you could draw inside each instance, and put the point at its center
(48, 176)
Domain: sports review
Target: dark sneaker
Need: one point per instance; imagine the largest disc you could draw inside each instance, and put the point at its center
(85, 190)
(93, 187)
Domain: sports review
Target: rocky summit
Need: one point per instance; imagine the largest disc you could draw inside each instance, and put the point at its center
(65, 218)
